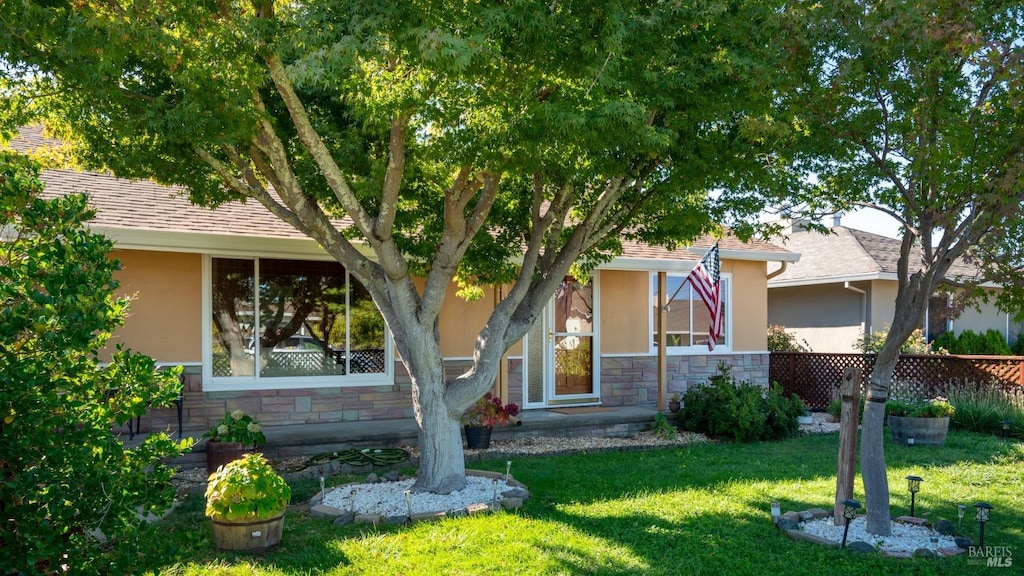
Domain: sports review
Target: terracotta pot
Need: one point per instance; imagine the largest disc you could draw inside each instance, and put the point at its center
(478, 437)
(220, 453)
(250, 535)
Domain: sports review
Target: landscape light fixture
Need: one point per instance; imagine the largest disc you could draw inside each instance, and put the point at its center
(984, 512)
(850, 507)
(776, 512)
(1006, 428)
(960, 510)
(914, 485)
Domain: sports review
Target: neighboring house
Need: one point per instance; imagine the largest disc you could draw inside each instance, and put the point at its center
(845, 286)
(264, 321)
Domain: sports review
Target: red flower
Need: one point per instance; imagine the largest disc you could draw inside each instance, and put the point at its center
(489, 411)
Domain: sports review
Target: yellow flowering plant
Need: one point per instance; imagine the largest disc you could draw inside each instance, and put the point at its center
(237, 426)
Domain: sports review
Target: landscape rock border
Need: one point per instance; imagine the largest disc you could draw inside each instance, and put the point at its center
(791, 522)
(510, 500)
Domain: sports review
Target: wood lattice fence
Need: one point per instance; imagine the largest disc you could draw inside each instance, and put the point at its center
(815, 376)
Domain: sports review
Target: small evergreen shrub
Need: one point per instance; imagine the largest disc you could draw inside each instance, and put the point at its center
(742, 411)
(990, 343)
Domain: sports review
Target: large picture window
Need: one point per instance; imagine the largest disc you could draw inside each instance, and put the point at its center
(275, 319)
(688, 318)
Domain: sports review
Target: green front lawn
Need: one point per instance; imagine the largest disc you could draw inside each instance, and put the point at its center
(702, 509)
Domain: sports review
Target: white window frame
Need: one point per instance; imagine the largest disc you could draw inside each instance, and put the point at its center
(695, 349)
(242, 383)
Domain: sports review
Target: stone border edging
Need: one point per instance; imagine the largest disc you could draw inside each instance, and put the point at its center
(795, 519)
(342, 517)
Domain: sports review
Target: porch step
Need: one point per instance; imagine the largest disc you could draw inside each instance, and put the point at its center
(297, 440)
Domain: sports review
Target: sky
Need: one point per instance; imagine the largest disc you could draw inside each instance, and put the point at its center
(870, 221)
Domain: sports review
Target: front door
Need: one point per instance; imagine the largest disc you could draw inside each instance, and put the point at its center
(561, 349)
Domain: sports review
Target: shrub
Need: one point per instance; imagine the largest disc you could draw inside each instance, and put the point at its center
(246, 489)
(872, 343)
(65, 478)
(990, 343)
(983, 410)
(781, 341)
(1018, 345)
(739, 410)
(934, 408)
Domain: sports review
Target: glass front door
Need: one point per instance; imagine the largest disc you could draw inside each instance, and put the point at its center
(560, 349)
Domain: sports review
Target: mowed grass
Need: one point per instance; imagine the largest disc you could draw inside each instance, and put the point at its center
(700, 509)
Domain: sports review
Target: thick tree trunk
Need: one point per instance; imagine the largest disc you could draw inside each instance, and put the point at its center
(872, 459)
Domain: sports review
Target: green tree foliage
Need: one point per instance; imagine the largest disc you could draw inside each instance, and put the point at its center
(914, 109)
(742, 411)
(470, 142)
(66, 480)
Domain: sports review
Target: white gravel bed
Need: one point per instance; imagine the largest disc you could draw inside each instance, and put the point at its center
(905, 539)
(388, 498)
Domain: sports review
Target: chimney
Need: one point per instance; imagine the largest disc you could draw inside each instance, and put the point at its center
(837, 219)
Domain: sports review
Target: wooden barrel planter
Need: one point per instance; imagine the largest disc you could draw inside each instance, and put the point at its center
(220, 453)
(478, 437)
(915, 431)
(254, 535)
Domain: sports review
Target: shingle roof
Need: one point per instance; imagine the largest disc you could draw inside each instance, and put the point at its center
(846, 254)
(144, 206)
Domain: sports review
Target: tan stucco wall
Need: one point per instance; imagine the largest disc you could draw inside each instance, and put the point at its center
(826, 317)
(882, 304)
(165, 316)
(749, 305)
(625, 325)
(461, 322)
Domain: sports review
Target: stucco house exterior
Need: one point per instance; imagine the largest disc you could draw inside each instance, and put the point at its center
(264, 321)
(844, 286)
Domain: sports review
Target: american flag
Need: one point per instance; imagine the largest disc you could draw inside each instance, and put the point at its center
(705, 279)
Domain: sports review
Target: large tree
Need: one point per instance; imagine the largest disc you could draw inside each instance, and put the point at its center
(914, 109)
(479, 143)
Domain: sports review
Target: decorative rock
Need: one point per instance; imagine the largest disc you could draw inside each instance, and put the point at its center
(322, 511)
(368, 519)
(425, 516)
(806, 515)
(396, 519)
(788, 524)
(923, 553)
(804, 536)
(860, 547)
(512, 503)
(950, 551)
(392, 476)
(912, 520)
(963, 543)
(520, 493)
(819, 513)
(477, 508)
(345, 518)
(372, 478)
(794, 516)
(944, 527)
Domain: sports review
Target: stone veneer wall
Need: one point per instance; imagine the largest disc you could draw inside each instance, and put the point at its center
(625, 381)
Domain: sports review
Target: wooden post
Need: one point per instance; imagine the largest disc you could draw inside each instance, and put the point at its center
(850, 390)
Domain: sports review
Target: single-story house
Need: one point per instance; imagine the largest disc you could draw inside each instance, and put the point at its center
(844, 286)
(264, 321)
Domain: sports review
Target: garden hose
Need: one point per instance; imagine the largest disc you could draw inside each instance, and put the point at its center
(362, 457)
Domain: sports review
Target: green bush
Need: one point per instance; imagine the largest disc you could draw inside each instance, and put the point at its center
(781, 341)
(984, 410)
(70, 492)
(990, 343)
(1018, 345)
(739, 410)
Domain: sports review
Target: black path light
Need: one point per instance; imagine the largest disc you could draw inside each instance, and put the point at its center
(1006, 428)
(850, 507)
(914, 485)
(984, 511)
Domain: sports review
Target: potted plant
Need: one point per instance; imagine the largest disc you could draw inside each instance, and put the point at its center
(246, 500)
(674, 403)
(483, 416)
(235, 434)
(920, 421)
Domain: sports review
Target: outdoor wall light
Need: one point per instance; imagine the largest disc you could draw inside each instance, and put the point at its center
(850, 507)
(1006, 428)
(960, 510)
(776, 512)
(914, 485)
(984, 512)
